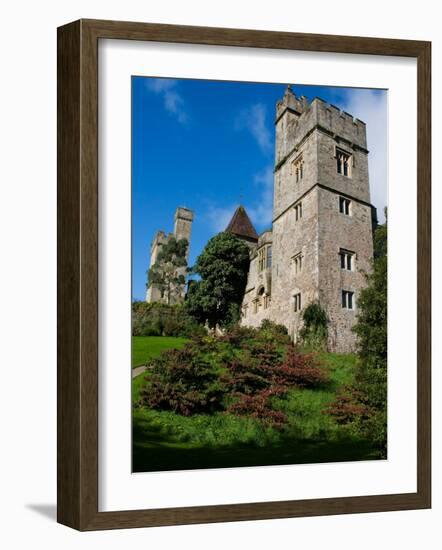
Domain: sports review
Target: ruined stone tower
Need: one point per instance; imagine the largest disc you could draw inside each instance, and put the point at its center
(182, 230)
(321, 240)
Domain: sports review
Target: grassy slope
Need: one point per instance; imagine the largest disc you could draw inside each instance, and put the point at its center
(148, 347)
(166, 441)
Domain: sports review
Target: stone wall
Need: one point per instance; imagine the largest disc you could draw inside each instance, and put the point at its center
(290, 238)
(353, 233)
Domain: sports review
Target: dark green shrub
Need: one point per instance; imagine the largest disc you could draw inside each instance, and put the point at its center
(314, 331)
(238, 335)
(157, 319)
(272, 332)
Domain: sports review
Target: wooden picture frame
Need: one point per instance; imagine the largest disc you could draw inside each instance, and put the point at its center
(78, 274)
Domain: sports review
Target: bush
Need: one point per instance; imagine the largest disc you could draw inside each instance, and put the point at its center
(183, 382)
(300, 369)
(259, 407)
(273, 333)
(349, 407)
(265, 354)
(157, 319)
(246, 378)
(314, 331)
(240, 372)
(238, 335)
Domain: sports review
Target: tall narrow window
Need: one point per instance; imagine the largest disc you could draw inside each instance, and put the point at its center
(269, 257)
(264, 257)
(298, 168)
(346, 259)
(347, 299)
(297, 261)
(297, 302)
(343, 163)
(344, 206)
(267, 300)
(298, 211)
(261, 259)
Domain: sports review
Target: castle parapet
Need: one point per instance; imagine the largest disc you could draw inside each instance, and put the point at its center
(340, 123)
(291, 102)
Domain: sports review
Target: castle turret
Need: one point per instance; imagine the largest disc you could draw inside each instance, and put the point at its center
(322, 221)
(183, 224)
(288, 111)
(182, 230)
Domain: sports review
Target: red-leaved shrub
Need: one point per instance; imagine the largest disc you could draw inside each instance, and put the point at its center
(349, 407)
(299, 369)
(181, 381)
(259, 406)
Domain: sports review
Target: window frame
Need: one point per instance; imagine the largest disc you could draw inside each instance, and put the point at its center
(347, 299)
(345, 206)
(344, 159)
(346, 258)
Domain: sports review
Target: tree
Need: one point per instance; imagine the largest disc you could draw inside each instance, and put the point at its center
(223, 266)
(363, 405)
(314, 331)
(371, 328)
(167, 271)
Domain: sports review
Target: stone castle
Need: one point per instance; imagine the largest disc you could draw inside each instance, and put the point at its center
(321, 239)
(182, 230)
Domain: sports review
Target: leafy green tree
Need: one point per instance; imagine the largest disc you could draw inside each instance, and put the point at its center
(371, 328)
(167, 272)
(222, 266)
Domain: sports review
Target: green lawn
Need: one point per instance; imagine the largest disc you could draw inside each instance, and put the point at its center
(149, 347)
(166, 441)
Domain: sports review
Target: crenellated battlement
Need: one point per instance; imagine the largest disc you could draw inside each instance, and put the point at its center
(184, 213)
(297, 118)
(340, 123)
(291, 102)
(159, 238)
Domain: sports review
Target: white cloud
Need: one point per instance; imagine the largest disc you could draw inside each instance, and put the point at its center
(259, 210)
(253, 119)
(219, 216)
(371, 107)
(262, 212)
(172, 100)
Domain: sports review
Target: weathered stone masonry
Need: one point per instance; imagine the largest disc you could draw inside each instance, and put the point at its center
(321, 240)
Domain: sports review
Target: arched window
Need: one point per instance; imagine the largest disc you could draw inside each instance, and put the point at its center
(343, 163)
(298, 168)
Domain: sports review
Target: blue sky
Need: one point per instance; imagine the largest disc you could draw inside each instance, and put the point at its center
(209, 145)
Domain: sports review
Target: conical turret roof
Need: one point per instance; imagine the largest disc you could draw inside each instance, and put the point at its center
(241, 226)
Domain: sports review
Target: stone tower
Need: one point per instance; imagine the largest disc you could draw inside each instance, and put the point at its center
(322, 233)
(182, 230)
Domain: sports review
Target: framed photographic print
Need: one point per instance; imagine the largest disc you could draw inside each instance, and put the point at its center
(244, 275)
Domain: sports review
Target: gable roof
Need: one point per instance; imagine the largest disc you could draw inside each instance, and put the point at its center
(241, 226)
